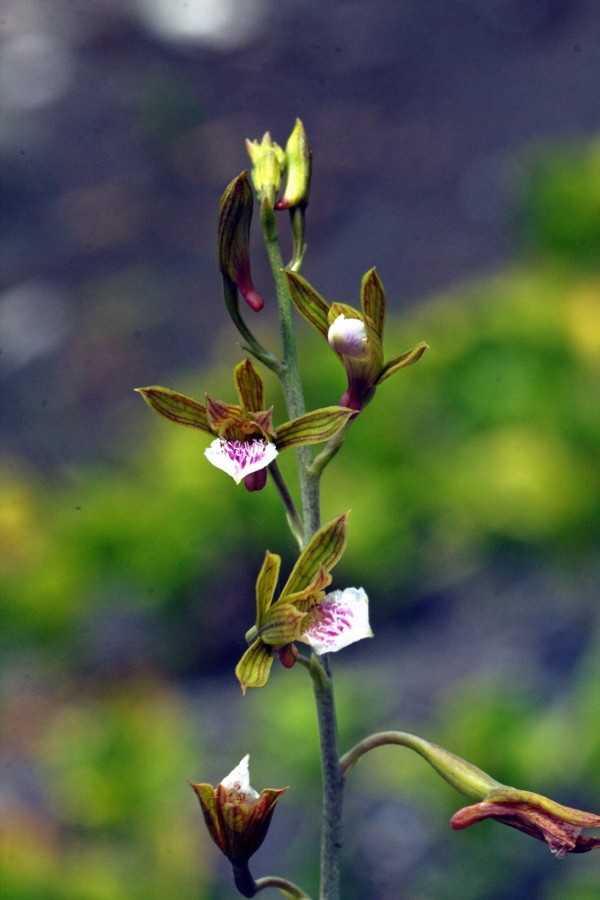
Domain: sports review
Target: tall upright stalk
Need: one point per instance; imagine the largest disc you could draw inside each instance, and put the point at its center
(309, 478)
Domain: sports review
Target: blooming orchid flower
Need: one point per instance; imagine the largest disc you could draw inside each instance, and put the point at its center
(356, 336)
(247, 441)
(303, 612)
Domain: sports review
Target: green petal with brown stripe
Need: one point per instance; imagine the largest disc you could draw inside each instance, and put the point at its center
(254, 667)
(176, 407)
(313, 427)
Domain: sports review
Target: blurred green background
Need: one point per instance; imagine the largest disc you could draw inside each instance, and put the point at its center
(127, 563)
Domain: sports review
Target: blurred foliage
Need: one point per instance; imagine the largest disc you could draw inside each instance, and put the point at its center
(126, 590)
(562, 203)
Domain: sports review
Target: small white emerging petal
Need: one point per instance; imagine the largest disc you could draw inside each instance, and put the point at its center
(348, 337)
(240, 458)
(238, 781)
(342, 619)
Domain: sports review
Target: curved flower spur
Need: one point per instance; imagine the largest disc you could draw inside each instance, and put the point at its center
(247, 441)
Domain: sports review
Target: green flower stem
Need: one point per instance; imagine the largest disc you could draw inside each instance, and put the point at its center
(333, 780)
(248, 887)
(329, 451)
(244, 881)
(290, 374)
(287, 888)
(464, 777)
(293, 518)
(297, 222)
(230, 295)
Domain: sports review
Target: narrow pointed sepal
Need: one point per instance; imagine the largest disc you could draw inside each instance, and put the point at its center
(266, 584)
(220, 414)
(322, 551)
(254, 667)
(403, 361)
(249, 384)
(372, 298)
(176, 407)
(207, 798)
(308, 302)
(313, 427)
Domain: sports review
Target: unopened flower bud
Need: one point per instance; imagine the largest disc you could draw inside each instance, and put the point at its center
(268, 165)
(299, 163)
(233, 239)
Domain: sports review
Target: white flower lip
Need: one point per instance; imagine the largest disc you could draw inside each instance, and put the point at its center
(238, 781)
(348, 337)
(240, 458)
(342, 619)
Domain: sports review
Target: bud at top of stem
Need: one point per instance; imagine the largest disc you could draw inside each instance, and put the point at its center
(299, 165)
(268, 165)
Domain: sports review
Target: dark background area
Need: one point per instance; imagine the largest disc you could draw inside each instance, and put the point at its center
(455, 148)
(122, 128)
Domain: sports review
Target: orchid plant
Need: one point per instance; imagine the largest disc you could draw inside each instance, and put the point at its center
(245, 443)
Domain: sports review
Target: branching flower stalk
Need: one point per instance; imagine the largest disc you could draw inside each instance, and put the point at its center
(245, 443)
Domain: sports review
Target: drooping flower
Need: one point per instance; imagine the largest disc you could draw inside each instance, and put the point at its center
(356, 336)
(237, 816)
(246, 440)
(559, 826)
(233, 241)
(303, 612)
